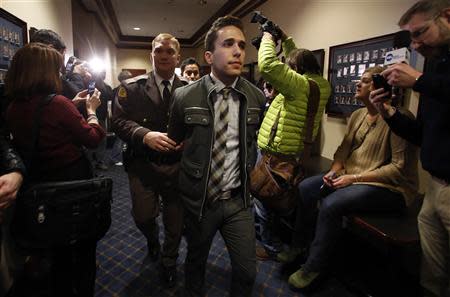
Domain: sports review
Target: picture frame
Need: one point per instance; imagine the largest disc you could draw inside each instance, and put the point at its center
(347, 72)
(13, 35)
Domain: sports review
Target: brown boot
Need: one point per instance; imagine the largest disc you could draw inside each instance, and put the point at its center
(263, 255)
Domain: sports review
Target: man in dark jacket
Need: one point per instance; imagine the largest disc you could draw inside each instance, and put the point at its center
(140, 119)
(428, 22)
(216, 118)
(73, 82)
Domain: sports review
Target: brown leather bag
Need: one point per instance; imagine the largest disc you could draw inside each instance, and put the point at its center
(275, 177)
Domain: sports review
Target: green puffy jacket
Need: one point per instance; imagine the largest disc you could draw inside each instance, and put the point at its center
(292, 100)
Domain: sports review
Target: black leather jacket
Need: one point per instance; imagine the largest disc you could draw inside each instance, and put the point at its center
(9, 159)
(192, 121)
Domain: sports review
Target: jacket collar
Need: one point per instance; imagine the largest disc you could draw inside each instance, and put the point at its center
(152, 91)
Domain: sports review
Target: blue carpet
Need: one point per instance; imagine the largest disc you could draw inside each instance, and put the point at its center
(124, 270)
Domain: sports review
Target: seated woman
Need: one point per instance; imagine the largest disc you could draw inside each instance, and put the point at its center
(373, 170)
(32, 76)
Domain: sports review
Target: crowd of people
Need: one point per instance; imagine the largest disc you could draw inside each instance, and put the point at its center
(190, 142)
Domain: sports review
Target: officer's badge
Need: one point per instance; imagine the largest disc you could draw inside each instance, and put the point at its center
(122, 92)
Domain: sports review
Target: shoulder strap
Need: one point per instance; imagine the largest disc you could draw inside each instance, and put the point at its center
(273, 130)
(313, 106)
(35, 129)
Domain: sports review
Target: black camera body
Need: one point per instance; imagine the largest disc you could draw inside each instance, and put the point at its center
(266, 25)
(380, 82)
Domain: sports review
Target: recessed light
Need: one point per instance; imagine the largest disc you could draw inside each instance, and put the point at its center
(136, 28)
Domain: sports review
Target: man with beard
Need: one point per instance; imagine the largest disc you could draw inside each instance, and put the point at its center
(428, 22)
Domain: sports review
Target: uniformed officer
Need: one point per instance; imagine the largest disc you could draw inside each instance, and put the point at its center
(151, 159)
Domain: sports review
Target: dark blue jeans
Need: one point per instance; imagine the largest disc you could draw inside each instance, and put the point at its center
(328, 218)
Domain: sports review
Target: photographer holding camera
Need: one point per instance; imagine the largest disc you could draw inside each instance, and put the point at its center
(282, 133)
(428, 23)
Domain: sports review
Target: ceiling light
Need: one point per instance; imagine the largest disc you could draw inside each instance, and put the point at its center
(136, 28)
(202, 2)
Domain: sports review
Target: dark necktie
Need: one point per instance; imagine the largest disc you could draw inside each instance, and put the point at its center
(219, 149)
(166, 92)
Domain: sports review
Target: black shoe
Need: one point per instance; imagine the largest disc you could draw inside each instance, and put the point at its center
(168, 275)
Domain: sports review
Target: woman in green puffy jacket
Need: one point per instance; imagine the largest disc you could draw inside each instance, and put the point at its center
(290, 79)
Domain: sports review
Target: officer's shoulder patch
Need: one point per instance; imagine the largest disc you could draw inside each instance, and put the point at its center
(122, 92)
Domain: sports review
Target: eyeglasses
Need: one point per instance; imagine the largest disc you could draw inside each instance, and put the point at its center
(416, 34)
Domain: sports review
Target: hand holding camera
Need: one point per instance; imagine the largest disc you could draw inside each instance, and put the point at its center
(93, 102)
(266, 25)
(401, 75)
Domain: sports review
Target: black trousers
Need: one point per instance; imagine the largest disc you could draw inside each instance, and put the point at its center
(236, 225)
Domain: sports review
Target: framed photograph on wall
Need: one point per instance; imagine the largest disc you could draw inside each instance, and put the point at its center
(13, 35)
(347, 62)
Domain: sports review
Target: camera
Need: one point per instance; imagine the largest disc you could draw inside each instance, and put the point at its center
(266, 25)
(380, 82)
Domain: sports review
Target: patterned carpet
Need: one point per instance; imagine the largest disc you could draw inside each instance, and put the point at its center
(124, 270)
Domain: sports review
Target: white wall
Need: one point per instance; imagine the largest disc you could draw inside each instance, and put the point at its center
(324, 23)
(55, 15)
(140, 59)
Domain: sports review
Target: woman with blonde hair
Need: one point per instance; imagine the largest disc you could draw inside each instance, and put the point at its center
(373, 170)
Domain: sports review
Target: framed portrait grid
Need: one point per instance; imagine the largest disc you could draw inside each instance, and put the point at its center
(347, 62)
(13, 35)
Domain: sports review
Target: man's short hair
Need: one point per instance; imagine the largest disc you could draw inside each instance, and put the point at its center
(428, 7)
(188, 61)
(123, 75)
(166, 36)
(49, 37)
(218, 24)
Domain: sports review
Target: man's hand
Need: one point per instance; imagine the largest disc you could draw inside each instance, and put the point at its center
(381, 101)
(160, 142)
(9, 185)
(401, 75)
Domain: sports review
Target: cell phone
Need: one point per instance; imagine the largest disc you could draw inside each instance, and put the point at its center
(91, 87)
(380, 82)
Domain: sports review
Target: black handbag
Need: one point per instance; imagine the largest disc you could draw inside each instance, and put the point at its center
(51, 214)
(62, 213)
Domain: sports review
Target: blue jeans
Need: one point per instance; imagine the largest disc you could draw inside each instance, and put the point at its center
(328, 226)
(264, 224)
